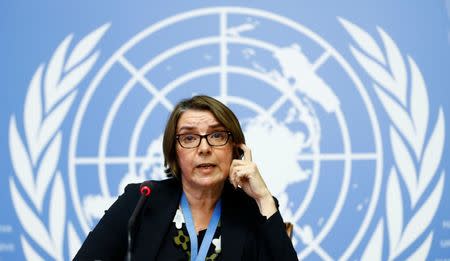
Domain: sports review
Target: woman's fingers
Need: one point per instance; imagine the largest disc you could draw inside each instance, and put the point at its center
(247, 152)
(236, 175)
(242, 172)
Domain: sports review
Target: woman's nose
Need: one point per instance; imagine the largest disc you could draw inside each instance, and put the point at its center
(204, 145)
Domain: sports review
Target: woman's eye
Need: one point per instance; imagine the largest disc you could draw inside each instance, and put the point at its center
(217, 135)
(189, 137)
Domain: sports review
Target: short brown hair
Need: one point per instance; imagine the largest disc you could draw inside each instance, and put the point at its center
(203, 103)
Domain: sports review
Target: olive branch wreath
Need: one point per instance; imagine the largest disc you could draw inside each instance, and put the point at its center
(49, 98)
(416, 158)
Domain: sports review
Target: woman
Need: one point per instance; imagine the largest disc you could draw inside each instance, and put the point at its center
(215, 206)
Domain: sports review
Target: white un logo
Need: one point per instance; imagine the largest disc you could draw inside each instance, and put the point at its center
(282, 81)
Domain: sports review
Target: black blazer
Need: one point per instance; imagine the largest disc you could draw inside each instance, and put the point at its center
(246, 235)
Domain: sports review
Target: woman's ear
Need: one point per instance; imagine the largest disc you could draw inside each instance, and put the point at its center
(238, 153)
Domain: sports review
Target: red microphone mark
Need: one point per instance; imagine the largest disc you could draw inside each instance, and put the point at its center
(145, 190)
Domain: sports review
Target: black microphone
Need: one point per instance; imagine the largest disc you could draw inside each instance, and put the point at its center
(145, 191)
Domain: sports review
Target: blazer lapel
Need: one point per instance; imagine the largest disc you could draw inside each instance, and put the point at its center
(156, 218)
(234, 230)
(159, 210)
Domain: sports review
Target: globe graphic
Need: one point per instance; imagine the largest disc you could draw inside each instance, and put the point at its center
(320, 155)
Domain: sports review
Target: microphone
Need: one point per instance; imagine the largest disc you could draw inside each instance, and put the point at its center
(145, 191)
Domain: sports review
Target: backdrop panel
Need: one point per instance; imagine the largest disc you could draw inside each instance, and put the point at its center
(343, 103)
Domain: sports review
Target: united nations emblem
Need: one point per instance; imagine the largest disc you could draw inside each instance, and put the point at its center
(306, 114)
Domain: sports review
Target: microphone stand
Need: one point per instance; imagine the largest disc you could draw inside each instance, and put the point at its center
(145, 193)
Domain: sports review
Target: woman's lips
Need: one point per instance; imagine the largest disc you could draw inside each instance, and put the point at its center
(206, 165)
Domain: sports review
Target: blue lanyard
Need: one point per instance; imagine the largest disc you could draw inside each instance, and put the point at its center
(196, 254)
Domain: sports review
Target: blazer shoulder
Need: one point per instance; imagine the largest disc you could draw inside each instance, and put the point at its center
(154, 185)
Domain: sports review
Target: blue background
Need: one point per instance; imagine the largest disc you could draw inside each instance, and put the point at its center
(31, 30)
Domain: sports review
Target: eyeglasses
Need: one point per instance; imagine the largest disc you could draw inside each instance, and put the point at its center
(214, 139)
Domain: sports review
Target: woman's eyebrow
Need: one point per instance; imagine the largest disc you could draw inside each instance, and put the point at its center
(191, 128)
(216, 126)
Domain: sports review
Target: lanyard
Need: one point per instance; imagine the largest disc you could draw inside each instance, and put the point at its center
(196, 254)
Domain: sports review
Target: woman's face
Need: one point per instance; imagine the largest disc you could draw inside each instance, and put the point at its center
(204, 166)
